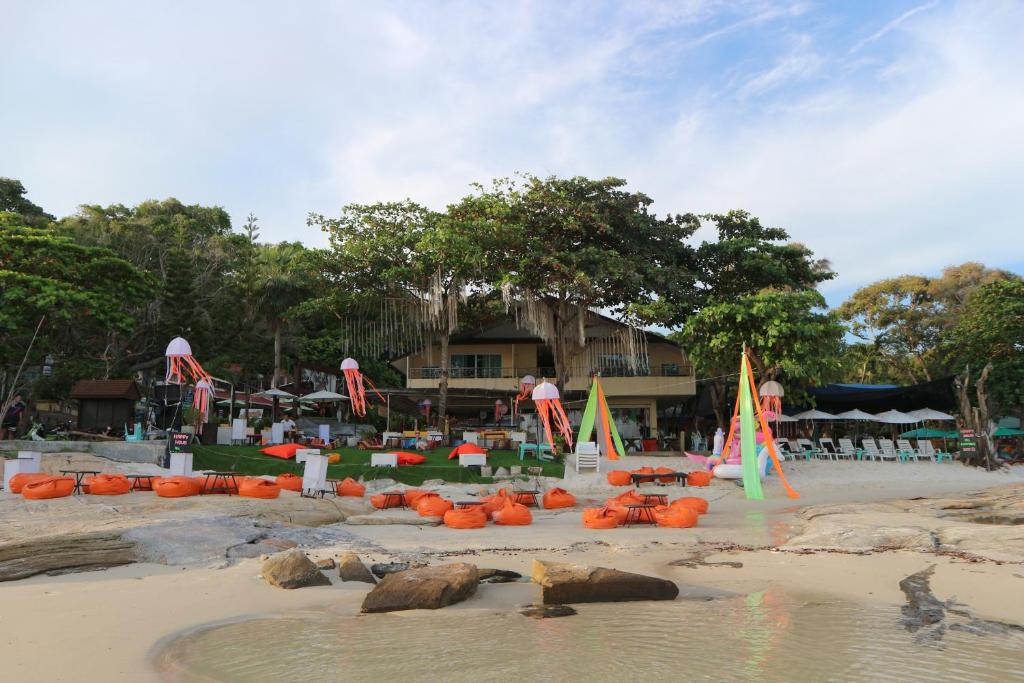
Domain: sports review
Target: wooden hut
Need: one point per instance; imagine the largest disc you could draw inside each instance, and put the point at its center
(105, 403)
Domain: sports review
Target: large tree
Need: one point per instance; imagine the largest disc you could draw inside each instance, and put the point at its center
(282, 282)
(791, 337)
(13, 200)
(566, 246)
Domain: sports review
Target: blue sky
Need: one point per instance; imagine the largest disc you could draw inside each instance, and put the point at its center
(884, 135)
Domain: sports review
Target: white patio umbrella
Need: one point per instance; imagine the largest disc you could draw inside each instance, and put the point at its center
(814, 415)
(856, 414)
(895, 417)
(924, 414)
(323, 395)
(779, 417)
(275, 394)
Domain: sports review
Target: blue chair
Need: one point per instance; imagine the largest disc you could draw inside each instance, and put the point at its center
(525, 448)
(545, 452)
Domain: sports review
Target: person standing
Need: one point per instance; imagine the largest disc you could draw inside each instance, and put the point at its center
(12, 418)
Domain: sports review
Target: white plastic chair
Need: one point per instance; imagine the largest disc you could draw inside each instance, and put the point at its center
(588, 456)
(808, 448)
(888, 449)
(872, 451)
(905, 449)
(829, 448)
(782, 449)
(847, 449)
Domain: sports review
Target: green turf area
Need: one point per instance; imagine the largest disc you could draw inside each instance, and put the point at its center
(356, 463)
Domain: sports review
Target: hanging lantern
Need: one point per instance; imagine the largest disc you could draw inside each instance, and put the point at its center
(500, 410)
(550, 410)
(425, 406)
(182, 366)
(356, 381)
(526, 385)
(771, 393)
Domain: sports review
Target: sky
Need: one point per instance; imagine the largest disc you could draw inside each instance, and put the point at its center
(885, 135)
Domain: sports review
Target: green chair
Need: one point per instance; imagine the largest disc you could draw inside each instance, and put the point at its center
(545, 452)
(525, 448)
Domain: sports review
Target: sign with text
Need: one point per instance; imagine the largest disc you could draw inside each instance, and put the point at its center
(968, 443)
(179, 442)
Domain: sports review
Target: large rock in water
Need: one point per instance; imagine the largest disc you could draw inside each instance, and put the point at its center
(67, 552)
(424, 588)
(351, 568)
(568, 583)
(292, 569)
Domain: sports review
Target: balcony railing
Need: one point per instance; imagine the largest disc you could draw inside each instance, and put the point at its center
(664, 370)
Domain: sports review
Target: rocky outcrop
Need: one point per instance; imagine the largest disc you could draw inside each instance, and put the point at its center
(351, 568)
(292, 569)
(547, 611)
(393, 516)
(68, 552)
(424, 588)
(573, 583)
(497, 575)
(382, 569)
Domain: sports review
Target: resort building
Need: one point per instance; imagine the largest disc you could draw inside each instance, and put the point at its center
(641, 372)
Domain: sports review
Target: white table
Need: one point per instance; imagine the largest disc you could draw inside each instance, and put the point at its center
(27, 462)
(384, 460)
(471, 437)
(181, 464)
(472, 459)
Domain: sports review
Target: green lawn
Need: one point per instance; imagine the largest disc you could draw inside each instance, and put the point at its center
(356, 463)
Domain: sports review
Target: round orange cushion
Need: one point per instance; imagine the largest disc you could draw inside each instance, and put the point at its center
(406, 458)
(284, 450)
(412, 497)
(176, 487)
(351, 488)
(289, 481)
(334, 458)
(630, 497)
(51, 487)
(254, 487)
(698, 479)
(600, 518)
(434, 506)
(470, 518)
(558, 498)
(619, 478)
(513, 514)
(109, 485)
(380, 500)
(675, 517)
(698, 505)
(18, 481)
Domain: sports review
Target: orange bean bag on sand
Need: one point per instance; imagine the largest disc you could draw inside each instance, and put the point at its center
(108, 485)
(665, 470)
(434, 505)
(629, 497)
(619, 478)
(407, 458)
(289, 481)
(18, 481)
(379, 501)
(412, 497)
(51, 487)
(205, 484)
(285, 451)
(677, 517)
(351, 488)
(600, 518)
(698, 478)
(558, 498)
(470, 518)
(698, 505)
(254, 487)
(494, 502)
(334, 458)
(513, 514)
(643, 470)
(176, 487)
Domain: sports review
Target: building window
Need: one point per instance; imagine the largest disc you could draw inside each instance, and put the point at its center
(670, 369)
(430, 372)
(470, 365)
(615, 365)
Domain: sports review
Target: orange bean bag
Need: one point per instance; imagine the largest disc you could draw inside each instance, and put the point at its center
(412, 497)
(351, 488)
(619, 478)
(334, 458)
(289, 481)
(286, 451)
(665, 470)
(494, 502)
(254, 487)
(176, 487)
(470, 518)
(643, 470)
(676, 517)
(698, 505)
(698, 478)
(513, 514)
(630, 497)
(600, 518)
(434, 506)
(380, 499)
(407, 458)
(50, 487)
(109, 485)
(558, 498)
(18, 481)
(466, 449)
(205, 484)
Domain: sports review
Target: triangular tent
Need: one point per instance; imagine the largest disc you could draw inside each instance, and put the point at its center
(597, 416)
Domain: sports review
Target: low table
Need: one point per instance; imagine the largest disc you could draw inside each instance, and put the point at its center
(639, 514)
(654, 498)
(142, 482)
(79, 476)
(223, 482)
(638, 479)
(525, 497)
(392, 497)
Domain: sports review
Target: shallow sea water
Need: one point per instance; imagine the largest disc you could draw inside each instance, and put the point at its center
(759, 637)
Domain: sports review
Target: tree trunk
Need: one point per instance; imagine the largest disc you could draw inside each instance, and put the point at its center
(976, 418)
(442, 383)
(561, 366)
(277, 353)
(718, 403)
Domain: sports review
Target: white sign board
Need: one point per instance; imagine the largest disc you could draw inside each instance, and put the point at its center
(27, 462)
(314, 476)
(383, 460)
(181, 464)
(277, 433)
(238, 429)
(224, 435)
(324, 432)
(468, 459)
(471, 437)
(302, 453)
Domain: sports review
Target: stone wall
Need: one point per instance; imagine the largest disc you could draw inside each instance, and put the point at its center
(122, 451)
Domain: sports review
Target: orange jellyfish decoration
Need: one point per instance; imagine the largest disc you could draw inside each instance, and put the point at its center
(201, 399)
(545, 397)
(526, 385)
(356, 381)
(771, 393)
(182, 366)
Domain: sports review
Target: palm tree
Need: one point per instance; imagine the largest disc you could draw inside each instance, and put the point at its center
(281, 283)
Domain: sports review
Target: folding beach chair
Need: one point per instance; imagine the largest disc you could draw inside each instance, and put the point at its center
(809, 449)
(903, 447)
(782, 448)
(848, 450)
(872, 451)
(888, 449)
(926, 448)
(829, 449)
(587, 455)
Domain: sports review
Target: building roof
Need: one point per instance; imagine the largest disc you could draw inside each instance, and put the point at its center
(106, 388)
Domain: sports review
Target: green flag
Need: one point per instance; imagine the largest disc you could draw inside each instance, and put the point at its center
(748, 438)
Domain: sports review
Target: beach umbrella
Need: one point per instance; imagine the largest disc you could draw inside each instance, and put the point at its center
(895, 417)
(779, 417)
(926, 414)
(856, 415)
(323, 396)
(815, 415)
(275, 395)
(1007, 431)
